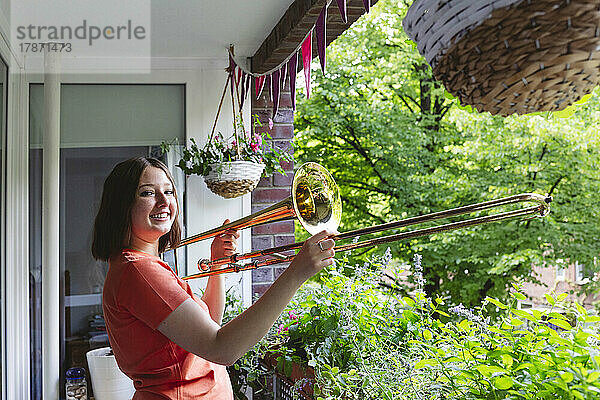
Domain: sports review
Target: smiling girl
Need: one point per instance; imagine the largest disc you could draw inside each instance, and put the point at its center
(166, 339)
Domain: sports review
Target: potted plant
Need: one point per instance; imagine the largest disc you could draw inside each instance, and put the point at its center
(232, 166)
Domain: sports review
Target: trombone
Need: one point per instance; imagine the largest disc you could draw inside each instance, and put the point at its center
(315, 202)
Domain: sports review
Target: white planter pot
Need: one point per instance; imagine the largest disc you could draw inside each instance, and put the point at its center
(108, 381)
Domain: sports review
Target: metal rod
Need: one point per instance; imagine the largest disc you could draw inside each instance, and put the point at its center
(541, 210)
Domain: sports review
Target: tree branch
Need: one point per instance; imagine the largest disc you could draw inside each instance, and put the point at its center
(555, 185)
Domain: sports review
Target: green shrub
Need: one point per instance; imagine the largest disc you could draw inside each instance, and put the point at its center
(366, 341)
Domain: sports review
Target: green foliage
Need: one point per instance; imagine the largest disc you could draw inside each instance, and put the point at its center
(250, 370)
(398, 145)
(367, 342)
(196, 160)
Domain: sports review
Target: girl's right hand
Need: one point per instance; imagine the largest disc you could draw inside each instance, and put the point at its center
(316, 253)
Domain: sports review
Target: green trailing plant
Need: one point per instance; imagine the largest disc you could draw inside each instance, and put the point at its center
(249, 372)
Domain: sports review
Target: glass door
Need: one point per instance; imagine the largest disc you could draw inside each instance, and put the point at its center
(101, 125)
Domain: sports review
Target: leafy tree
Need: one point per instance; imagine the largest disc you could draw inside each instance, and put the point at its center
(398, 145)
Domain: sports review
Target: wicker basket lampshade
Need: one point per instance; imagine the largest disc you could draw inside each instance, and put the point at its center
(233, 179)
(510, 56)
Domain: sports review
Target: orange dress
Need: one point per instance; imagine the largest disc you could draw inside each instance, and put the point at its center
(140, 291)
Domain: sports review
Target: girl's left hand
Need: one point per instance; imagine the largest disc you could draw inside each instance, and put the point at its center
(225, 244)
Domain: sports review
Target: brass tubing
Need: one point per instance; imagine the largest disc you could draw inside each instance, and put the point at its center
(281, 211)
(541, 210)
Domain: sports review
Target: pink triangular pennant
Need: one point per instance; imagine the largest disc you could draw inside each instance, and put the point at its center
(306, 58)
(275, 80)
(367, 4)
(320, 28)
(260, 84)
(271, 87)
(231, 65)
(292, 67)
(342, 6)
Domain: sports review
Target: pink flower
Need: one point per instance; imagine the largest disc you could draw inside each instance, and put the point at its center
(270, 123)
(257, 142)
(258, 138)
(292, 315)
(281, 328)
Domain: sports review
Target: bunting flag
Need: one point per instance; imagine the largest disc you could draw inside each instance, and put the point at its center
(260, 84)
(292, 67)
(282, 76)
(242, 89)
(320, 29)
(342, 6)
(306, 58)
(231, 65)
(275, 80)
(367, 4)
(247, 88)
(278, 76)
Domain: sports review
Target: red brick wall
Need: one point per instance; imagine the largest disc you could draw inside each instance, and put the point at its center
(273, 189)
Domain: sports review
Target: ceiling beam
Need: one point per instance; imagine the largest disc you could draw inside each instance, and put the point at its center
(292, 28)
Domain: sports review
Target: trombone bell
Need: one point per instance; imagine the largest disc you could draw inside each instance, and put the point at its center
(315, 201)
(316, 198)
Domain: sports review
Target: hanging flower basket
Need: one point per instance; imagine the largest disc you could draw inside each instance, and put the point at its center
(232, 166)
(233, 179)
(510, 56)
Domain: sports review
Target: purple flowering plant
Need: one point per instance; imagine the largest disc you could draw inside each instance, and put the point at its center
(252, 146)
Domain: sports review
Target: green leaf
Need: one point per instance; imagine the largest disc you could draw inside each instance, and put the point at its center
(519, 296)
(503, 383)
(567, 377)
(549, 299)
(593, 377)
(427, 334)
(497, 303)
(507, 360)
(561, 297)
(557, 315)
(425, 362)
(524, 314)
(526, 365)
(560, 323)
(488, 370)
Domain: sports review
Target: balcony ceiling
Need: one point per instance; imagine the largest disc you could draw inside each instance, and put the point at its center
(267, 31)
(204, 29)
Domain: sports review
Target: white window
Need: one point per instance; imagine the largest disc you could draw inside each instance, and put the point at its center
(580, 273)
(561, 270)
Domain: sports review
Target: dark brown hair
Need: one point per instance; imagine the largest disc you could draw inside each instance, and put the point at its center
(112, 227)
